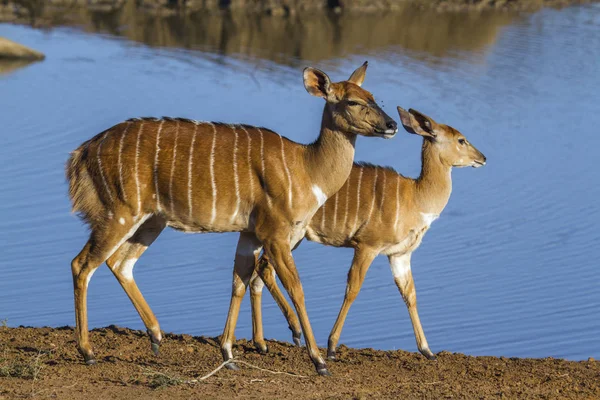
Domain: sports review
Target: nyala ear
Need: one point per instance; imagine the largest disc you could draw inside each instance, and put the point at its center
(317, 82)
(417, 123)
(358, 76)
(426, 125)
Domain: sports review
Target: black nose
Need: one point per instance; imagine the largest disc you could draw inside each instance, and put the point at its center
(484, 159)
(391, 124)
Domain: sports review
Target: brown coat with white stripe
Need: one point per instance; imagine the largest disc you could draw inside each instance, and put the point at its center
(379, 211)
(141, 175)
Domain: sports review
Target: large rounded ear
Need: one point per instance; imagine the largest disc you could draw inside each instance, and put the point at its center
(417, 123)
(317, 82)
(358, 76)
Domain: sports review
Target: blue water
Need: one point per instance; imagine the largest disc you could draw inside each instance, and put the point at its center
(510, 268)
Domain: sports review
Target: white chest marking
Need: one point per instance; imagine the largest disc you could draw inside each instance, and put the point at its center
(400, 265)
(321, 197)
(428, 218)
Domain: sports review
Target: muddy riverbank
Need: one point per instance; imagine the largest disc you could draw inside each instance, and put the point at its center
(43, 362)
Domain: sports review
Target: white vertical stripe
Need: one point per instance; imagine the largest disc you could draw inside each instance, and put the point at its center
(100, 168)
(173, 170)
(137, 177)
(347, 199)
(120, 163)
(384, 170)
(335, 210)
(249, 165)
(323, 217)
(357, 201)
(190, 165)
(397, 203)
(213, 183)
(156, 165)
(235, 175)
(287, 171)
(374, 196)
(262, 163)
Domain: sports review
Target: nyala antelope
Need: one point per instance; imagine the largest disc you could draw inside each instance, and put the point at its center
(379, 211)
(131, 181)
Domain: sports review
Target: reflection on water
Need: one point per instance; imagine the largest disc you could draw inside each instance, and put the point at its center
(311, 37)
(8, 66)
(511, 266)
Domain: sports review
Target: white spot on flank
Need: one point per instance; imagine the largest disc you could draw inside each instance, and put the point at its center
(133, 229)
(212, 175)
(126, 270)
(428, 218)
(122, 221)
(400, 265)
(321, 197)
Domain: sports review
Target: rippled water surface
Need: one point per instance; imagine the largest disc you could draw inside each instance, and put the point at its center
(510, 268)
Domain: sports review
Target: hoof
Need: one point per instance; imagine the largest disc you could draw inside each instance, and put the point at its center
(331, 355)
(323, 372)
(232, 366)
(155, 348)
(428, 354)
(296, 337)
(262, 348)
(91, 361)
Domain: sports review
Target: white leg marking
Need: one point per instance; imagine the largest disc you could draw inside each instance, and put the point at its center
(213, 183)
(122, 221)
(287, 171)
(126, 269)
(262, 161)
(173, 170)
(335, 210)
(156, 165)
(397, 203)
(100, 168)
(257, 285)
(227, 347)
(382, 196)
(89, 277)
(190, 164)
(137, 177)
(119, 161)
(357, 202)
(249, 165)
(235, 175)
(374, 196)
(400, 265)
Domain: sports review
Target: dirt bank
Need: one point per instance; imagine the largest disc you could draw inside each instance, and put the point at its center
(35, 11)
(43, 362)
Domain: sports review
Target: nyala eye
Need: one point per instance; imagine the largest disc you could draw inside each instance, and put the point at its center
(462, 141)
(352, 103)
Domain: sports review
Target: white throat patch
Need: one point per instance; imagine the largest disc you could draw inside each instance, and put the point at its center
(428, 218)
